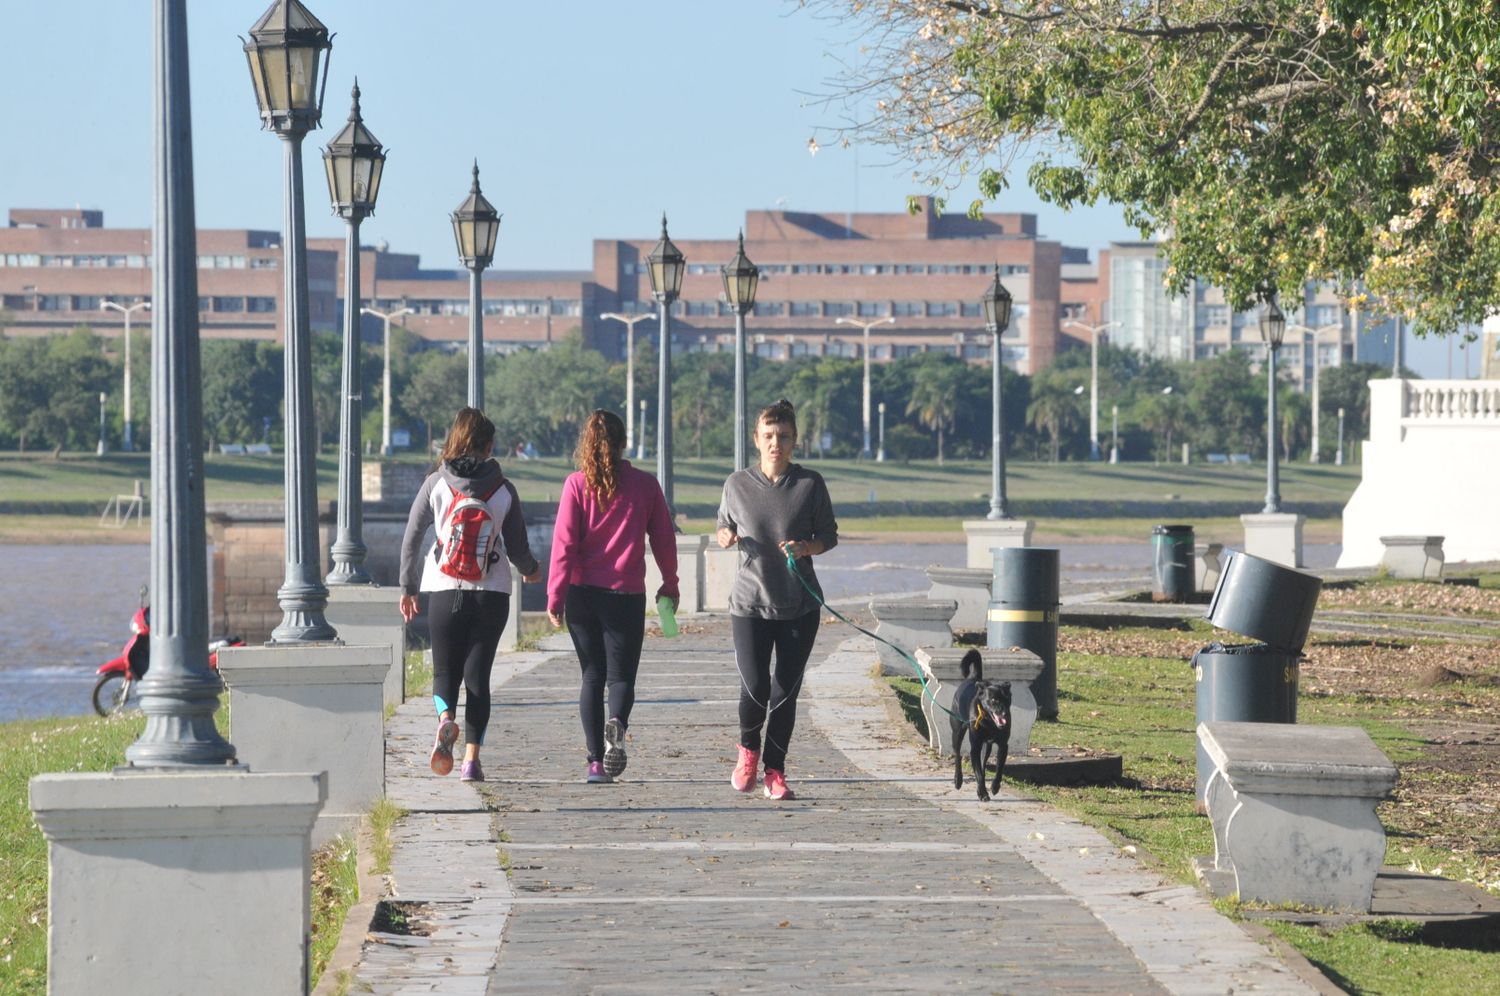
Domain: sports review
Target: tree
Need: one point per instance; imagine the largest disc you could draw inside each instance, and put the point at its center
(934, 394)
(1227, 404)
(242, 388)
(437, 390)
(1053, 409)
(1272, 142)
(50, 387)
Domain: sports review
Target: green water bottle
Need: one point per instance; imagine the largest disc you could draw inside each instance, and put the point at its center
(668, 614)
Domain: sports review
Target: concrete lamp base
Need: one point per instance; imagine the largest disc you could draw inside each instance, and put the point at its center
(217, 865)
(1274, 536)
(370, 616)
(985, 535)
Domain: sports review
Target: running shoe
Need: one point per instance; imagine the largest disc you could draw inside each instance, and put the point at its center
(776, 786)
(743, 778)
(614, 748)
(597, 775)
(442, 747)
(471, 771)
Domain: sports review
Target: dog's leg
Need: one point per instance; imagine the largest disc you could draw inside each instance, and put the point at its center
(977, 747)
(1002, 751)
(958, 753)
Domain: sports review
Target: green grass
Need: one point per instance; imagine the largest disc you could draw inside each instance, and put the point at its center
(38, 478)
(383, 818)
(335, 888)
(1152, 807)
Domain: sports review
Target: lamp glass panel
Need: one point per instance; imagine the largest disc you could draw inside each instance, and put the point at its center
(672, 272)
(377, 166)
(302, 77)
(463, 235)
(486, 233)
(1002, 314)
(273, 63)
(359, 179)
(658, 276)
(331, 167)
(257, 76)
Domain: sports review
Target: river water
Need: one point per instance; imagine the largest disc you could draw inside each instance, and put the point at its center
(67, 609)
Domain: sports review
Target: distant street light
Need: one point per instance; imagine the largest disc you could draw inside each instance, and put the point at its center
(1093, 331)
(284, 51)
(880, 453)
(354, 161)
(1338, 457)
(996, 303)
(1316, 334)
(476, 224)
(127, 439)
(386, 317)
(666, 266)
(864, 327)
(629, 321)
(642, 455)
(741, 277)
(100, 451)
(1272, 330)
(1114, 433)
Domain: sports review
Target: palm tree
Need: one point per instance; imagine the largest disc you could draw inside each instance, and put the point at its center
(1052, 410)
(934, 398)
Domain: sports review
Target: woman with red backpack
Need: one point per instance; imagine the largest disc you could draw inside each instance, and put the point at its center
(476, 514)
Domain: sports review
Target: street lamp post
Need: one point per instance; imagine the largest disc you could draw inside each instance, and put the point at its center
(864, 327)
(880, 447)
(284, 51)
(1272, 330)
(475, 227)
(1338, 457)
(1114, 433)
(386, 317)
(180, 692)
(666, 265)
(629, 321)
(1093, 331)
(354, 161)
(1316, 334)
(996, 302)
(741, 278)
(127, 438)
(642, 454)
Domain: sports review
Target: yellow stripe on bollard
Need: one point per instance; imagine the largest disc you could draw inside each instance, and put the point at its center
(1023, 615)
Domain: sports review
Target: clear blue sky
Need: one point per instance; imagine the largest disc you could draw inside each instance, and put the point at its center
(588, 118)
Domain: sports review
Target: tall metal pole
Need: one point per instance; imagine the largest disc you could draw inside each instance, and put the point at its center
(1114, 433)
(740, 426)
(1093, 331)
(864, 327)
(127, 438)
(102, 448)
(998, 508)
(476, 341)
(1273, 482)
(664, 403)
(1338, 457)
(302, 595)
(1315, 456)
(385, 376)
(629, 322)
(642, 437)
(880, 452)
(348, 550)
(180, 693)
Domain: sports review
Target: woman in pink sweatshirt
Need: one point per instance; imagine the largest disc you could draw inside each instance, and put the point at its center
(598, 579)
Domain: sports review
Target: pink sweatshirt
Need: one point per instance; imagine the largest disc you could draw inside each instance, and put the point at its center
(604, 545)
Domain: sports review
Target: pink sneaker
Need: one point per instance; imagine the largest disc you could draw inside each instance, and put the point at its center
(776, 786)
(743, 778)
(442, 747)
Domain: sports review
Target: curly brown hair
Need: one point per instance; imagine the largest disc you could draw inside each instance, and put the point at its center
(600, 445)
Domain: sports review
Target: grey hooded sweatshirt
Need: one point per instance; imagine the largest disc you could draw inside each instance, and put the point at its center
(764, 515)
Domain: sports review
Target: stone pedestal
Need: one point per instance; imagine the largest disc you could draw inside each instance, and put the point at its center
(719, 569)
(1206, 565)
(368, 615)
(318, 707)
(690, 555)
(1293, 811)
(1274, 536)
(910, 623)
(178, 882)
(511, 636)
(970, 588)
(1414, 557)
(385, 480)
(944, 674)
(985, 535)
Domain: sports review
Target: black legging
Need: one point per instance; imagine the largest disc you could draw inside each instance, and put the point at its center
(607, 629)
(765, 699)
(465, 628)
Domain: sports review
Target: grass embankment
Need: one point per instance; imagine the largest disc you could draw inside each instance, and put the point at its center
(1131, 692)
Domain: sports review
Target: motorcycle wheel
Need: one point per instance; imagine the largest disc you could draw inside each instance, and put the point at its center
(111, 694)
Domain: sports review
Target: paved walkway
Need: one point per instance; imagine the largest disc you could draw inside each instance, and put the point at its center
(880, 877)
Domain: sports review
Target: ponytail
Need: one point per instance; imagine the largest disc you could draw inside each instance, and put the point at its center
(600, 444)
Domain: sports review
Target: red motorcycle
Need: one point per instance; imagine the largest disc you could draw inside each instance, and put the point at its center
(116, 688)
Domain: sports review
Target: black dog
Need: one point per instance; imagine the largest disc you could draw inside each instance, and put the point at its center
(982, 711)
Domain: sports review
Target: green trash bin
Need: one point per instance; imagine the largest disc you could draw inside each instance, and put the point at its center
(1172, 560)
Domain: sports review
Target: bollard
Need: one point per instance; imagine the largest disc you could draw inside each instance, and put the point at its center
(1265, 601)
(1247, 683)
(1172, 556)
(1023, 613)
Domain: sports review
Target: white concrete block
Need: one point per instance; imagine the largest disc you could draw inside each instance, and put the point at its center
(690, 554)
(720, 567)
(178, 881)
(1274, 536)
(986, 535)
(1206, 565)
(318, 707)
(970, 588)
(368, 615)
(910, 623)
(1416, 557)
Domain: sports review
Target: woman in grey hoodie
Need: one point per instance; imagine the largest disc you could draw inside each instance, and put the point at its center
(772, 510)
(468, 589)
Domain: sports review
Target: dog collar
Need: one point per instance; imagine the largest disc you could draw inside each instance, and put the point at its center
(978, 715)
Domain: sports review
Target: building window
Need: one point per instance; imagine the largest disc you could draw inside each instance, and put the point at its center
(1323, 314)
(901, 352)
(261, 305)
(880, 351)
(700, 308)
(16, 302)
(802, 348)
(837, 309)
(1014, 269)
(970, 309)
(974, 351)
(86, 302)
(229, 305)
(874, 309)
(805, 309)
(941, 309)
(769, 308)
(906, 309)
(627, 269)
(1216, 315)
(262, 262)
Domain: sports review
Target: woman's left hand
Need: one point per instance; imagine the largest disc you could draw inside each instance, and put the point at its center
(799, 548)
(555, 620)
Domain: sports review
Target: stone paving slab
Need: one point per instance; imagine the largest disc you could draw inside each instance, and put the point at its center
(878, 877)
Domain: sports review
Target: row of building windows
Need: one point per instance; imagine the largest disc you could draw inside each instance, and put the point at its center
(853, 269)
(822, 309)
(501, 307)
(128, 261)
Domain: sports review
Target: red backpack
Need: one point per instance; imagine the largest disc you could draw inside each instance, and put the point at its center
(467, 537)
